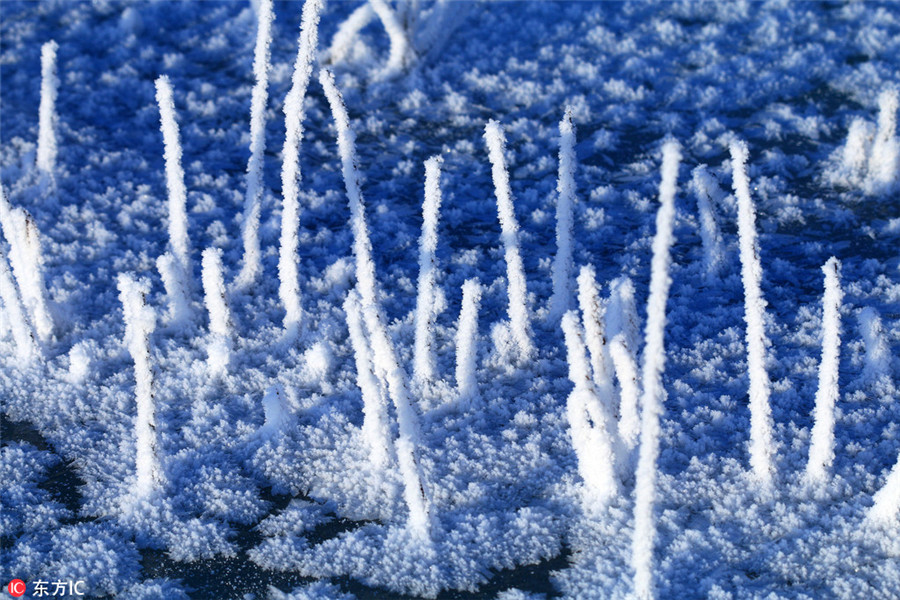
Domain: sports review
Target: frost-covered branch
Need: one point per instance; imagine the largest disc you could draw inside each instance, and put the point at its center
(289, 286)
(467, 339)
(509, 227)
(423, 361)
(250, 227)
(562, 262)
(47, 143)
(821, 450)
(762, 443)
(219, 315)
(654, 364)
(139, 324)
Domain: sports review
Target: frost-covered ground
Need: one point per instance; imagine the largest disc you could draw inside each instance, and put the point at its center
(263, 478)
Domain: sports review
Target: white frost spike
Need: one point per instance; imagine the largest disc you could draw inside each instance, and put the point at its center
(219, 315)
(47, 143)
(515, 272)
(23, 335)
(139, 324)
(178, 222)
(289, 287)
(250, 227)
(384, 355)
(27, 263)
(885, 154)
(176, 289)
(762, 443)
(653, 391)
(345, 36)
(622, 329)
(821, 450)
(275, 406)
(467, 339)
(887, 499)
(588, 425)
(878, 355)
(402, 55)
(595, 338)
(562, 263)
(376, 429)
(855, 153)
(707, 191)
(423, 361)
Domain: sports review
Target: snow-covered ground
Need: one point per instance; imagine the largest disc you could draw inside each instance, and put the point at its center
(387, 410)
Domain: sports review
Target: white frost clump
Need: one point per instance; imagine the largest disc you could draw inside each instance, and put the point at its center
(178, 222)
(139, 324)
(467, 339)
(515, 272)
(289, 286)
(562, 262)
(887, 499)
(878, 355)
(870, 158)
(219, 315)
(47, 143)
(250, 227)
(79, 362)
(762, 443)
(821, 450)
(276, 410)
(423, 357)
(319, 590)
(653, 391)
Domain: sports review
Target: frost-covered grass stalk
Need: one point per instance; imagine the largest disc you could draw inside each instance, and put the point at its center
(622, 329)
(821, 450)
(139, 324)
(384, 355)
(47, 144)
(376, 428)
(562, 262)
(276, 411)
(289, 285)
(467, 339)
(250, 227)
(887, 499)
(653, 391)
(855, 153)
(402, 54)
(178, 223)
(423, 361)
(762, 442)
(27, 261)
(878, 355)
(344, 38)
(509, 234)
(588, 426)
(176, 292)
(26, 348)
(219, 315)
(885, 153)
(595, 338)
(707, 190)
